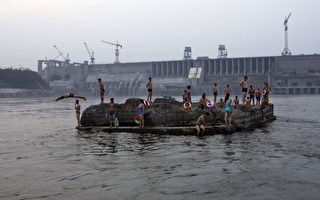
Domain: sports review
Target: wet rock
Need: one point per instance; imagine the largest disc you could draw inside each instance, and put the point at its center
(171, 113)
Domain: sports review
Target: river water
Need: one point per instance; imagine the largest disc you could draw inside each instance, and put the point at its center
(43, 157)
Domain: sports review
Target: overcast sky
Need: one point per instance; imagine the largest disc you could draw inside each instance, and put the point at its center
(151, 30)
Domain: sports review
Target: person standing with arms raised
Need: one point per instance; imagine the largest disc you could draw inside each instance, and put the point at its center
(149, 89)
(244, 90)
(102, 91)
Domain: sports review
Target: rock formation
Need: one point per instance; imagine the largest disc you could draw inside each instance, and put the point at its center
(167, 112)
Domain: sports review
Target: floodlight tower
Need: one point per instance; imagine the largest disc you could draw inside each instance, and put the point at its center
(222, 51)
(187, 53)
(286, 51)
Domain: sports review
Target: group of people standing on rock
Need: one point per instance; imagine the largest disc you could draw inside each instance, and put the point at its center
(254, 98)
(250, 97)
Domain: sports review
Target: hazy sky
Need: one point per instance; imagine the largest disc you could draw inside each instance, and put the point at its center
(153, 29)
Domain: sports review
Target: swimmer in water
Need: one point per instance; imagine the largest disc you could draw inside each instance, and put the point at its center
(141, 113)
(101, 88)
(112, 111)
(244, 89)
(228, 112)
(201, 123)
(215, 92)
(77, 107)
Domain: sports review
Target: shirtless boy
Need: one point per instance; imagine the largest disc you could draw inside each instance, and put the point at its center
(227, 93)
(101, 87)
(200, 124)
(215, 92)
(149, 89)
(251, 94)
(77, 107)
(112, 111)
(244, 90)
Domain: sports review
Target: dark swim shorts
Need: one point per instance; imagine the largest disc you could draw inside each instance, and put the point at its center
(150, 90)
(244, 89)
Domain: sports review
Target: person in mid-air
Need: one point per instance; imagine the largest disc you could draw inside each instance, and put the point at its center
(69, 95)
(101, 88)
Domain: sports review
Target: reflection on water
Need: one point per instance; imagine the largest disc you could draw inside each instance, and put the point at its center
(43, 157)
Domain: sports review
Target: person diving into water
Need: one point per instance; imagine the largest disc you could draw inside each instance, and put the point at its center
(70, 95)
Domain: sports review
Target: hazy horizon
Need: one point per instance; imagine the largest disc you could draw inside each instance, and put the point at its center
(153, 30)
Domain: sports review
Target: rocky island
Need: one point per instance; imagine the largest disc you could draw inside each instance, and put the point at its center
(168, 116)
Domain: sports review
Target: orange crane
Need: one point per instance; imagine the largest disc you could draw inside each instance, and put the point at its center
(116, 50)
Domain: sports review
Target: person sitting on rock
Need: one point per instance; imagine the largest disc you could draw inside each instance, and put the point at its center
(236, 101)
(202, 101)
(201, 123)
(220, 103)
(248, 101)
(141, 113)
(112, 111)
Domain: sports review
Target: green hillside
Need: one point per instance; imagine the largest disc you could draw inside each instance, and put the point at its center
(21, 78)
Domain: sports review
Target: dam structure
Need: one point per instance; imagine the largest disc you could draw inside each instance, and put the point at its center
(296, 74)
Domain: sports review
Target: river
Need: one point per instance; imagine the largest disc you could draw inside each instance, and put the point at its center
(43, 157)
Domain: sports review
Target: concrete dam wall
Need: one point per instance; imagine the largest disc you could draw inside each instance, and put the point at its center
(285, 74)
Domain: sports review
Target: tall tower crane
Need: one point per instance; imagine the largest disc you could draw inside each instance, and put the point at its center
(116, 50)
(66, 58)
(91, 54)
(286, 51)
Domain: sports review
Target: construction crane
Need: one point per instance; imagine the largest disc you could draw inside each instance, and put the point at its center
(66, 58)
(286, 51)
(116, 50)
(91, 54)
